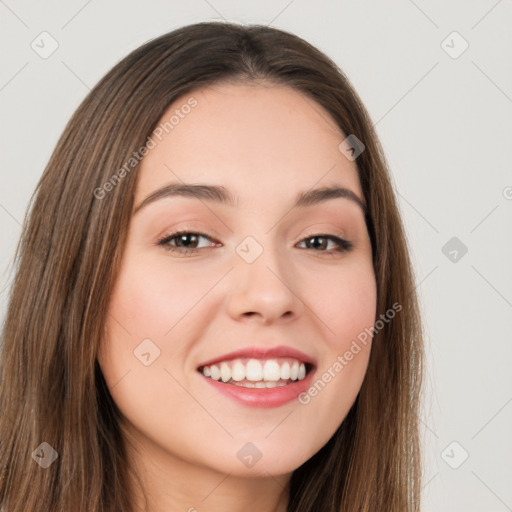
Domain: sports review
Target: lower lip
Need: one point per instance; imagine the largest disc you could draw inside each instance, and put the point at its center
(263, 397)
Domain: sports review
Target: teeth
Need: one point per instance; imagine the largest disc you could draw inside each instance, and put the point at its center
(225, 372)
(215, 372)
(256, 374)
(237, 372)
(285, 370)
(253, 370)
(294, 372)
(260, 384)
(271, 371)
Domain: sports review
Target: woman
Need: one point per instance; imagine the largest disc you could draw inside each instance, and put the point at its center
(214, 306)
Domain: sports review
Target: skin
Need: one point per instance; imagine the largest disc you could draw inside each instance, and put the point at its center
(265, 143)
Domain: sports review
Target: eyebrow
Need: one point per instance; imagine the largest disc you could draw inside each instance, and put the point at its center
(222, 195)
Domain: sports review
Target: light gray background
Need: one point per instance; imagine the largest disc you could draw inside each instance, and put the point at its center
(445, 124)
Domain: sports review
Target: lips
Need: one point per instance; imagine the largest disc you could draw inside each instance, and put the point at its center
(260, 377)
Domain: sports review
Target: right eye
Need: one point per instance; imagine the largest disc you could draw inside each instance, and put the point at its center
(182, 241)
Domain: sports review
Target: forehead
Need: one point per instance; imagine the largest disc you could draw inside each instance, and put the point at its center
(258, 140)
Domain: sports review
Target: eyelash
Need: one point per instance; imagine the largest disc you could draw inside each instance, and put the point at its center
(343, 245)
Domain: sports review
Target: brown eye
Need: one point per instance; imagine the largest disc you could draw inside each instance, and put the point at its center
(184, 241)
(320, 243)
(187, 240)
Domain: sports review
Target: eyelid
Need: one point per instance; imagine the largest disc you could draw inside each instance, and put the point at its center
(331, 231)
(187, 228)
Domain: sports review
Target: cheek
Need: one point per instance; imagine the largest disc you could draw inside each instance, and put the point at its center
(345, 305)
(149, 300)
(147, 303)
(343, 302)
(353, 310)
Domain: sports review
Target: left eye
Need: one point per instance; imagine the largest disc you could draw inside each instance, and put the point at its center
(322, 242)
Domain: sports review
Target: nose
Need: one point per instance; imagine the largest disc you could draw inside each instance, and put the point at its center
(264, 291)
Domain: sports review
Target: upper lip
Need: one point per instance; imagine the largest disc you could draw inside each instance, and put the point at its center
(262, 353)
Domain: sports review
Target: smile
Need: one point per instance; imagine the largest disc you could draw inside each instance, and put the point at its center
(260, 377)
(257, 373)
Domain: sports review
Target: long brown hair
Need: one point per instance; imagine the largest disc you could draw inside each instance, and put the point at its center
(52, 389)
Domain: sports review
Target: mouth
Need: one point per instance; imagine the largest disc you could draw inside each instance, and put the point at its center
(260, 377)
(257, 373)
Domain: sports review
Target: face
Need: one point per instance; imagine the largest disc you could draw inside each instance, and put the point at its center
(227, 341)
